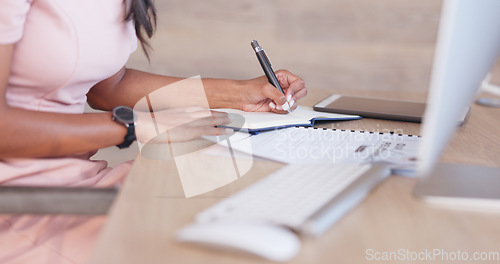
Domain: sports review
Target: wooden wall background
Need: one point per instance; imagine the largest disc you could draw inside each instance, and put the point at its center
(332, 44)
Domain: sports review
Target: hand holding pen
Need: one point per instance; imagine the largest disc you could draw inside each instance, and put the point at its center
(295, 86)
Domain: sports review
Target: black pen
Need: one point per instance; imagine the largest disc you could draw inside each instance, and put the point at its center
(268, 70)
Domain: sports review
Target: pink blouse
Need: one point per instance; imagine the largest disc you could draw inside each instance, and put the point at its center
(62, 48)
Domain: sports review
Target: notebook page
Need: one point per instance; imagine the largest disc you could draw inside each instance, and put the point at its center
(315, 146)
(256, 120)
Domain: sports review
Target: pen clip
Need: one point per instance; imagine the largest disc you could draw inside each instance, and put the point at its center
(267, 59)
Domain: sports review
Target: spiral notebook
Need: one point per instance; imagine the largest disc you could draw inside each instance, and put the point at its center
(306, 145)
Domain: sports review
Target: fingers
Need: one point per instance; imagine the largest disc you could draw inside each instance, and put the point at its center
(297, 88)
(294, 88)
(293, 105)
(269, 91)
(285, 77)
(279, 102)
(299, 94)
(292, 84)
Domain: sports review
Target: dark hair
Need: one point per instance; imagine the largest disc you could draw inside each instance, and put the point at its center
(143, 13)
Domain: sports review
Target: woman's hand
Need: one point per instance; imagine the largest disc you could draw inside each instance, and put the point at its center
(261, 96)
(179, 124)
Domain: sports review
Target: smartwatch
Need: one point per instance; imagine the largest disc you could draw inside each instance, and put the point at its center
(125, 116)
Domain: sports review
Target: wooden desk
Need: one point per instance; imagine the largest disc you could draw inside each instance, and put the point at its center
(150, 207)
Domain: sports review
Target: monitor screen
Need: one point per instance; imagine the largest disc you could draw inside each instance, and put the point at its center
(467, 48)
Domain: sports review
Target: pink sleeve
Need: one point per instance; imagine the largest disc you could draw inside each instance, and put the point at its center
(12, 18)
(133, 37)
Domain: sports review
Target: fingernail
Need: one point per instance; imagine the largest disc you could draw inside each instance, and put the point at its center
(272, 105)
(288, 97)
(279, 107)
(229, 130)
(285, 107)
(292, 103)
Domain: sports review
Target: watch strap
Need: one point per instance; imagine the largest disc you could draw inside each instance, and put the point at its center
(129, 137)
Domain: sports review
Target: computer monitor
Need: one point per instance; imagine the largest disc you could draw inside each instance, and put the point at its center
(467, 48)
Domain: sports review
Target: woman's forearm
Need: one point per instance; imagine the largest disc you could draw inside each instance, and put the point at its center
(42, 134)
(129, 86)
(31, 134)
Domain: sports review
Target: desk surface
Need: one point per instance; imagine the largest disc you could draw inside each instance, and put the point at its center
(150, 207)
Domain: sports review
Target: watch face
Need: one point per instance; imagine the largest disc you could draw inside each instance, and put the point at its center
(124, 114)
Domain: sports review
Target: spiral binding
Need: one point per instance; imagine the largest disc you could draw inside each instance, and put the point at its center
(360, 131)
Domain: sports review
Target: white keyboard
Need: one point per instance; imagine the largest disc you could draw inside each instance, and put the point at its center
(305, 198)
